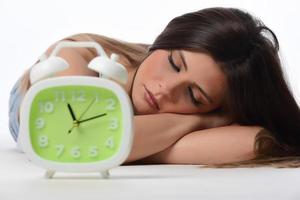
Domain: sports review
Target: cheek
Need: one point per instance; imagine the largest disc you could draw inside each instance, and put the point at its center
(152, 70)
(145, 75)
(155, 67)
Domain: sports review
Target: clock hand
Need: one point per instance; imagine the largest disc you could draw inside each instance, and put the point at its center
(82, 114)
(88, 119)
(71, 112)
(76, 122)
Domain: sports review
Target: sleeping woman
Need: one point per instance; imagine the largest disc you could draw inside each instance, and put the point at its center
(209, 91)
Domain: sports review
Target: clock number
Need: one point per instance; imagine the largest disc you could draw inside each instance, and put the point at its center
(39, 123)
(60, 96)
(93, 151)
(97, 98)
(111, 104)
(78, 96)
(75, 152)
(46, 107)
(59, 149)
(43, 141)
(109, 143)
(81, 96)
(113, 123)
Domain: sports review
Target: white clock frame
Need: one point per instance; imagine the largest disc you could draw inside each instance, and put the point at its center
(40, 78)
(102, 166)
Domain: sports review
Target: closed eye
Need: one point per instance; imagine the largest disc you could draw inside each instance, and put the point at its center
(194, 100)
(190, 91)
(171, 61)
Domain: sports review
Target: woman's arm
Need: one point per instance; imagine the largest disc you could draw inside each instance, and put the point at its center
(156, 132)
(210, 146)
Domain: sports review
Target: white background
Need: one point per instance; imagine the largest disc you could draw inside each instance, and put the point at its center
(29, 27)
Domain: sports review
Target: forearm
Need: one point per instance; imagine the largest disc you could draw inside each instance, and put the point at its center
(210, 146)
(154, 133)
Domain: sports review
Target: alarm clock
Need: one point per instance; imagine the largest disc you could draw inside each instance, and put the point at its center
(77, 123)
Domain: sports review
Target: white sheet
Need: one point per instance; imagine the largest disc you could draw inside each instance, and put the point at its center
(19, 179)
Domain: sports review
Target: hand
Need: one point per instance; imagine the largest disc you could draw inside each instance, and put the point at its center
(87, 108)
(216, 119)
(88, 119)
(75, 121)
(71, 112)
(194, 122)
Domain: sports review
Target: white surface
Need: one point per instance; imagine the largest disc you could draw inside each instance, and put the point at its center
(29, 27)
(146, 182)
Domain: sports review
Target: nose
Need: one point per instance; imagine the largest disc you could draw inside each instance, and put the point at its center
(171, 89)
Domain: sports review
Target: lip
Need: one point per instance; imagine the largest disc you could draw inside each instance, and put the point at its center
(150, 99)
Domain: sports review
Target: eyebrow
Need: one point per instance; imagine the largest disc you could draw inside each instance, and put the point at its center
(198, 86)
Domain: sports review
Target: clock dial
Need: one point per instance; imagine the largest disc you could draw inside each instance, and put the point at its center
(76, 124)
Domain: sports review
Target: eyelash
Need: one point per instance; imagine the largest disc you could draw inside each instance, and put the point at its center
(172, 63)
(177, 69)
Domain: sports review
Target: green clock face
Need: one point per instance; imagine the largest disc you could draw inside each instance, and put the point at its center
(75, 124)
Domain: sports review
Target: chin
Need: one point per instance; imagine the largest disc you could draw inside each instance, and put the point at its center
(140, 108)
(137, 107)
(142, 111)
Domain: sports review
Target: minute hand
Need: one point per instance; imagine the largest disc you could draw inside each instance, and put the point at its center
(88, 119)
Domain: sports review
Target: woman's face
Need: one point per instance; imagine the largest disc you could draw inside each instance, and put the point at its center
(179, 81)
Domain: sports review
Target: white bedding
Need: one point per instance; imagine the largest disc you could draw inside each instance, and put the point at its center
(19, 179)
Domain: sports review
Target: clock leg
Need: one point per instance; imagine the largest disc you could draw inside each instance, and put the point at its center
(105, 174)
(49, 173)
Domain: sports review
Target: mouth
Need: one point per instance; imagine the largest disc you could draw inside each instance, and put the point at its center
(148, 96)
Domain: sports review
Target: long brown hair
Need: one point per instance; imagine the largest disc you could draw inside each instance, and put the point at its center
(247, 52)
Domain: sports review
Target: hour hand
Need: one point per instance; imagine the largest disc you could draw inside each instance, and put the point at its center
(71, 112)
